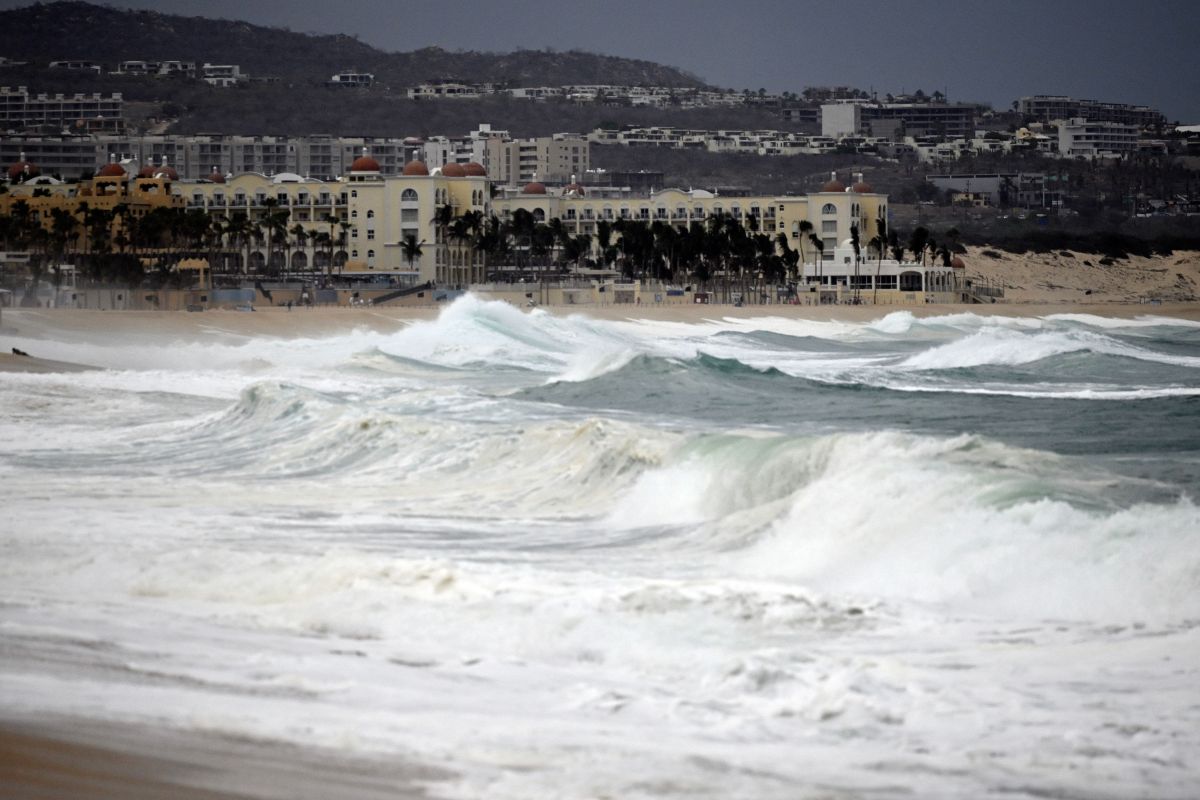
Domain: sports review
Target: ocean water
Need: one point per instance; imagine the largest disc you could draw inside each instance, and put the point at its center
(566, 558)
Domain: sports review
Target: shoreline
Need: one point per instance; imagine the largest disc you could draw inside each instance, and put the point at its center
(28, 326)
(105, 760)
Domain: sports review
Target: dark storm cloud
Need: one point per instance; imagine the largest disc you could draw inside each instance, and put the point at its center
(989, 51)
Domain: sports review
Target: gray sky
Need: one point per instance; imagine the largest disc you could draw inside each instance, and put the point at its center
(987, 50)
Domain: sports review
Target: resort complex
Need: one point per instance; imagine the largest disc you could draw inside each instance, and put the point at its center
(411, 236)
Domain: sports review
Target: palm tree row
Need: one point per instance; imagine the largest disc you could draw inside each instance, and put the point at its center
(94, 238)
(723, 253)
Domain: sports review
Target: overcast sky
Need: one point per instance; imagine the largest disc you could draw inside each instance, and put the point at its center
(988, 50)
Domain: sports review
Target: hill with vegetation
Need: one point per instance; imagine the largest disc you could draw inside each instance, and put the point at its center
(82, 31)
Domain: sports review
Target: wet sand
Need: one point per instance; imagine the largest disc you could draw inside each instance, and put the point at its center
(86, 760)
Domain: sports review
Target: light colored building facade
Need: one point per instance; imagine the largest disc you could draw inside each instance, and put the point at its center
(79, 112)
(223, 75)
(317, 156)
(1054, 108)
(417, 226)
(557, 159)
(1081, 138)
(352, 80)
(889, 120)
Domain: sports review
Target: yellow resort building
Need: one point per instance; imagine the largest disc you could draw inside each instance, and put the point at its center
(422, 227)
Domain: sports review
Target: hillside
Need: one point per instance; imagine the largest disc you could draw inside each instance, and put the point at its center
(79, 30)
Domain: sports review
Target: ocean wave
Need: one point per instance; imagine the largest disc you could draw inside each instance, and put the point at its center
(993, 528)
(1008, 347)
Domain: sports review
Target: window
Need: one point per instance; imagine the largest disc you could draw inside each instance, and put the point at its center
(354, 192)
(408, 215)
(370, 254)
(829, 226)
(354, 254)
(408, 196)
(354, 214)
(370, 233)
(829, 208)
(371, 213)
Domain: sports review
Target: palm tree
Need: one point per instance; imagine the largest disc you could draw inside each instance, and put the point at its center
(917, 242)
(604, 232)
(880, 242)
(806, 228)
(854, 243)
(818, 243)
(894, 245)
(410, 248)
(790, 257)
(300, 237)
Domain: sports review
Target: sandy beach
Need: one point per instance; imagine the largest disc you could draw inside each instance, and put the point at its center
(56, 759)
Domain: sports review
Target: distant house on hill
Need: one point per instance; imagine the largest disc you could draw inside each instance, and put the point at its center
(351, 80)
(223, 74)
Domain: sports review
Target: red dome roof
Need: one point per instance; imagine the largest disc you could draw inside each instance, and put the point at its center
(573, 188)
(833, 185)
(146, 171)
(22, 167)
(416, 168)
(111, 170)
(958, 263)
(216, 177)
(364, 164)
(476, 170)
(454, 171)
(862, 187)
(534, 188)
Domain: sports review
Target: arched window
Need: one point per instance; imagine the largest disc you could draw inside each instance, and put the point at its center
(370, 254)
(370, 213)
(540, 216)
(354, 192)
(408, 196)
(829, 208)
(354, 214)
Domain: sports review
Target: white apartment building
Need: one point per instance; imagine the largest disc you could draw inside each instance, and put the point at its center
(78, 112)
(352, 80)
(1081, 138)
(224, 75)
